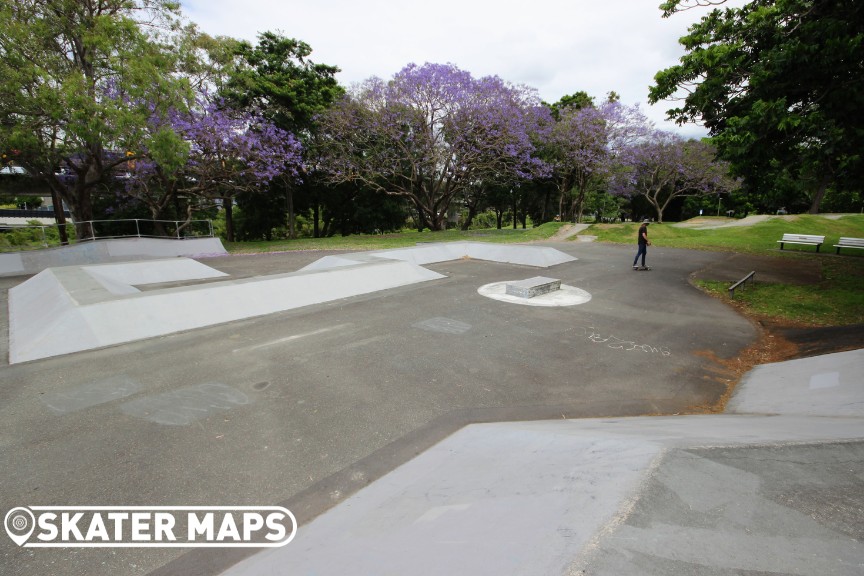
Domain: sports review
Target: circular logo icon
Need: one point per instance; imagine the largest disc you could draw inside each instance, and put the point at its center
(19, 523)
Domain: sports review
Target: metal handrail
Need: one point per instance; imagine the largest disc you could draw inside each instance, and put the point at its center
(742, 283)
(138, 233)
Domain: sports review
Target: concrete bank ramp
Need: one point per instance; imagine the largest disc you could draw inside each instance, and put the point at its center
(110, 250)
(723, 494)
(69, 309)
(422, 254)
(64, 310)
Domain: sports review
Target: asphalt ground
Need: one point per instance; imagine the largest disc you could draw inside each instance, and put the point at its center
(303, 408)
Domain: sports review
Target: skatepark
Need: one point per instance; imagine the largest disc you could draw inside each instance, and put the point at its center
(414, 425)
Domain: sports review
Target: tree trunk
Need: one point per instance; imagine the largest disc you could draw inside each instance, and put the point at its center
(228, 206)
(820, 194)
(292, 218)
(59, 216)
(316, 230)
(472, 212)
(82, 210)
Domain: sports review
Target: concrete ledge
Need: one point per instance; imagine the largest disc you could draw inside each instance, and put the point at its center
(531, 287)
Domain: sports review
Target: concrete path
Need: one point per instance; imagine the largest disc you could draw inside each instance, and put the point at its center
(567, 232)
(742, 493)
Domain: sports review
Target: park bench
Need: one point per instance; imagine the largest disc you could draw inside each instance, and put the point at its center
(808, 239)
(849, 243)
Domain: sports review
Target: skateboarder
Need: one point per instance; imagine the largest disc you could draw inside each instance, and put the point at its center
(643, 245)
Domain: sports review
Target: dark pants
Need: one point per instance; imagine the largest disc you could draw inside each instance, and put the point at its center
(643, 250)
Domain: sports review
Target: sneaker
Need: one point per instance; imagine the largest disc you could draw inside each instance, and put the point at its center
(635, 267)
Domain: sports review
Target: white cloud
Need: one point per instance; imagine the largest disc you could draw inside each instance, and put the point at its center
(557, 46)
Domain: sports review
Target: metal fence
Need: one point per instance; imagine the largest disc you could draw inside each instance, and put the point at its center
(18, 237)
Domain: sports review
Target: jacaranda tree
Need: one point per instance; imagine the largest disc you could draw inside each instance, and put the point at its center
(211, 152)
(665, 166)
(430, 134)
(583, 148)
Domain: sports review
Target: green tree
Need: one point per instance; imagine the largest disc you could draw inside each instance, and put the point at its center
(77, 80)
(780, 86)
(277, 77)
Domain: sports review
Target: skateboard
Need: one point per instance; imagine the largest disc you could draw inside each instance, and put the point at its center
(641, 268)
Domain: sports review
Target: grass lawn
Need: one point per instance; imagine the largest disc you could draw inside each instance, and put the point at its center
(396, 240)
(836, 301)
(760, 237)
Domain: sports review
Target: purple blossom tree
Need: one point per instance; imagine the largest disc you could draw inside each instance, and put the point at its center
(665, 166)
(212, 153)
(583, 147)
(431, 134)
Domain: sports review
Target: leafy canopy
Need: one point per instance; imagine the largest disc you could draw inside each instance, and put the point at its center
(780, 86)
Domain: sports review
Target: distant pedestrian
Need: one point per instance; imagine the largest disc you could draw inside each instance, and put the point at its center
(643, 244)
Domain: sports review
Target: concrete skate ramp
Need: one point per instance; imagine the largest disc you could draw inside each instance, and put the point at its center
(150, 272)
(66, 310)
(74, 308)
(829, 385)
(109, 250)
(422, 254)
(715, 494)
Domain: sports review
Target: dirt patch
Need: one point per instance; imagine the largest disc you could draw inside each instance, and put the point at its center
(770, 269)
(771, 346)
(825, 340)
(777, 341)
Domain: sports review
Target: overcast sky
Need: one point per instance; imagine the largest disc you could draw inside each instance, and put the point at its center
(556, 46)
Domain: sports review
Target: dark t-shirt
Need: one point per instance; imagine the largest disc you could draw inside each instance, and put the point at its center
(643, 228)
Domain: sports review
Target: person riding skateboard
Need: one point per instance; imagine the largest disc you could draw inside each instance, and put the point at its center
(644, 242)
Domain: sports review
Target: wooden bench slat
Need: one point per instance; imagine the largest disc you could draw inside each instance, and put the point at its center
(845, 242)
(808, 239)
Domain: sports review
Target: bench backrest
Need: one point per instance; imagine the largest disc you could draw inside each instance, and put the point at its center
(858, 242)
(803, 238)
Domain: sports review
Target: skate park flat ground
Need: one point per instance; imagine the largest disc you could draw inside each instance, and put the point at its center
(308, 406)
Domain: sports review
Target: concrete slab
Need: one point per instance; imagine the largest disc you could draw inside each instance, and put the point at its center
(829, 385)
(92, 314)
(423, 254)
(60, 311)
(109, 250)
(153, 272)
(724, 494)
(539, 498)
